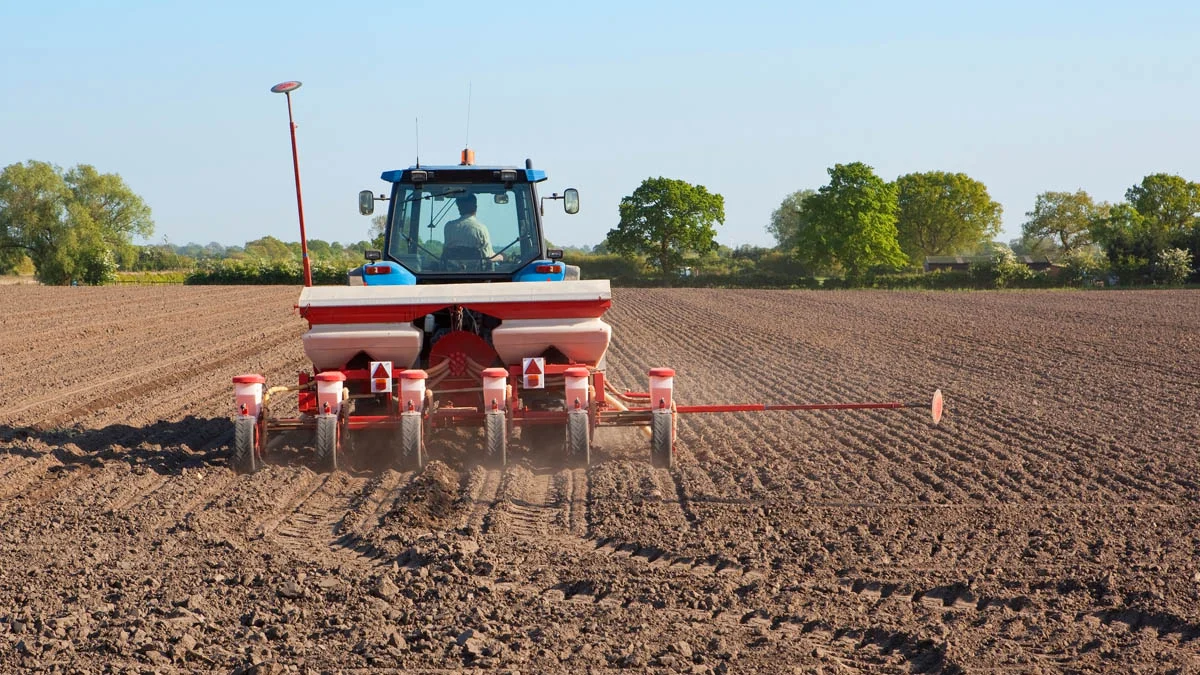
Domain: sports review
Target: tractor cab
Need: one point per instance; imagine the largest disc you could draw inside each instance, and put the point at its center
(466, 223)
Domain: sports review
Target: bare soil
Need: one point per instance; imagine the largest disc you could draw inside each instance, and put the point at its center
(1049, 524)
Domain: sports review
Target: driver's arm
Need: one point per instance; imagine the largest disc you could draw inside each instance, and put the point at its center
(488, 253)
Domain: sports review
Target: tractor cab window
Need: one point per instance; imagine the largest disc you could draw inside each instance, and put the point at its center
(463, 228)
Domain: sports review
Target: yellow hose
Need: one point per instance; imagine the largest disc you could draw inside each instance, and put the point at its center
(616, 403)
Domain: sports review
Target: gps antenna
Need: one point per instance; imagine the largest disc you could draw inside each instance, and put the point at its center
(468, 143)
(286, 88)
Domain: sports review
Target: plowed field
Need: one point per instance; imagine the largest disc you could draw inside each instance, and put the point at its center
(1049, 524)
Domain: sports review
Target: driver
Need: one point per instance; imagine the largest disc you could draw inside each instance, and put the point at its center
(467, 232)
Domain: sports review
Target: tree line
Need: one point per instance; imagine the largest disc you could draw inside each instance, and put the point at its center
(77, 226)
(860, 225)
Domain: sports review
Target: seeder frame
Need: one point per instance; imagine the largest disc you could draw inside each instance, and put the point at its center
(327, 408)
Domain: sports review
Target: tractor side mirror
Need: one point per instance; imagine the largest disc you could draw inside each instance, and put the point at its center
(366, 202)
(571, 200)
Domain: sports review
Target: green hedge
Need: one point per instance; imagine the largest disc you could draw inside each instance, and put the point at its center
(261, 272)
(149, 278)
(620, 271)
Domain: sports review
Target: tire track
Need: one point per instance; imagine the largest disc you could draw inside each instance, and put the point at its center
(531, 509)
(141, 488)
(483, 494)
(354, 533)
(310, 527)
(375, 500)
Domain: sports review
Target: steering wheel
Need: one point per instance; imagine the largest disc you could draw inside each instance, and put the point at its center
(501, 251)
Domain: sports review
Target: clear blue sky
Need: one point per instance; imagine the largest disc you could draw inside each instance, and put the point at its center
(752, 100)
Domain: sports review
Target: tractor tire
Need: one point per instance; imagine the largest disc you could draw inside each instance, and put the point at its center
(496, 432)
(245, 437)
(412, 446)
(579, 446)
(327, 443)
(661, 440)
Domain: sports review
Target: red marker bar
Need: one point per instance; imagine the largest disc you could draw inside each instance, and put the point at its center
(761, 407)
(935, 407)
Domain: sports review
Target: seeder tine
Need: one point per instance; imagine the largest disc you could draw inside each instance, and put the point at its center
(935, 407)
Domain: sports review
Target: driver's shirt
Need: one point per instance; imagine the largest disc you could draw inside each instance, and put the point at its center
(470, 233)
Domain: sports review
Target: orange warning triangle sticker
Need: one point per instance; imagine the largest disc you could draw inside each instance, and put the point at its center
(532, 368)
(380, 373)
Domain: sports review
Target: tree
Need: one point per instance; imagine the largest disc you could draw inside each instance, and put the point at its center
(785, 220)
(33, 197)
(10, 259)
(1026, 245)
(270, 248)
(1064, 217)
(665, 219)
(851, 222)
(160, 257)
(1083, 265)
(70, 224)
(1130, 240)
(1001, 268)
(1170, 201)
(1160, 215)
(378, 226)
(1172, 266)
(319, 249)
(943, 213)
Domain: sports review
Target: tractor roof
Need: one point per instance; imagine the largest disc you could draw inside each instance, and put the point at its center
(459, 174)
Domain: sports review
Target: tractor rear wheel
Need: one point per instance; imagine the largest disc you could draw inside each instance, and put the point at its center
(245, 437)
(661, 438)
(579, 446)
(327, 442)
(412, 447)
(496, 433)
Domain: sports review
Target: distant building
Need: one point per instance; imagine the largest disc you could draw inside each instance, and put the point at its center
(962, 263)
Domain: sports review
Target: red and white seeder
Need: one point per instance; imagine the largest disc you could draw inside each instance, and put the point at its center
(465, 320)
(542, 371)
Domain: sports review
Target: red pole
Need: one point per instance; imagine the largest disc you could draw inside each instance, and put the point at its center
(763, 407)
(299, 199)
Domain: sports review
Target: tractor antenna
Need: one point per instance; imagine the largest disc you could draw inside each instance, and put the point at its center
(468, 143)
(417, 141)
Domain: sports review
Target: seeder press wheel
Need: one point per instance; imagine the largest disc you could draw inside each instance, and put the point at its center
(496, 433)
(579, 447)
(328, 437)
(245, 445)
(412, 445)
(661, 440)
